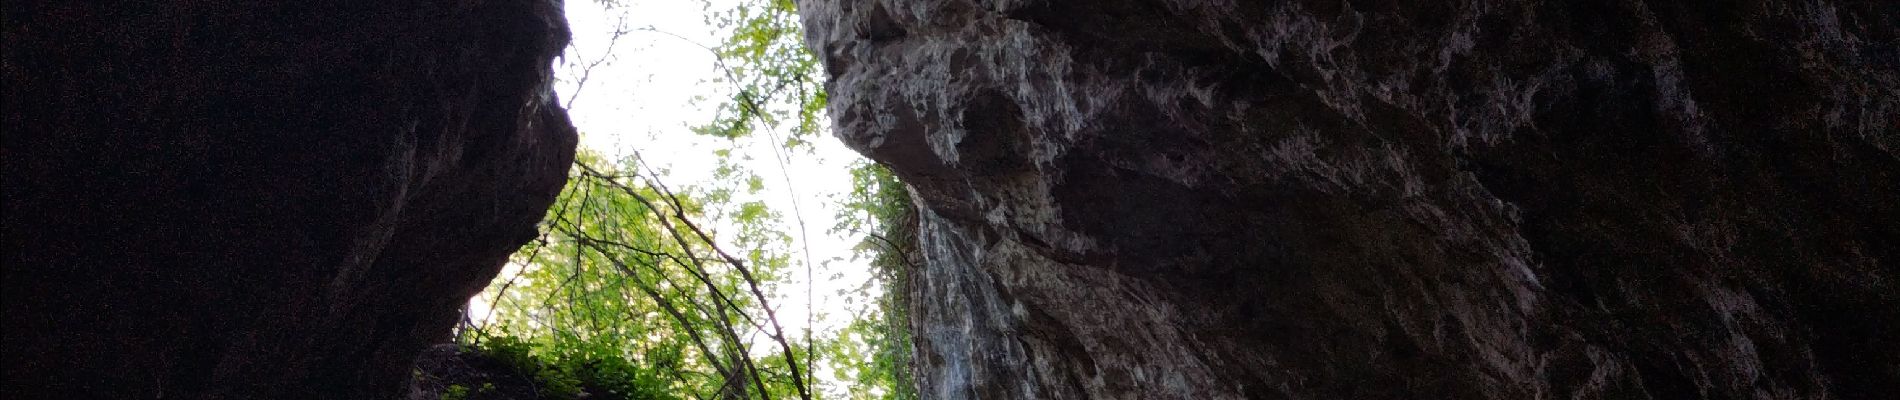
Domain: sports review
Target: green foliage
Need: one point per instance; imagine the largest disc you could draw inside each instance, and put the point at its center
(630, 293)
(776, 80)
(563, 374)
(461, 392)
(455, 392)
(779, 89)
(879, 209)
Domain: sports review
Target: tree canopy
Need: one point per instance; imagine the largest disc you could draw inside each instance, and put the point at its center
(643, 290)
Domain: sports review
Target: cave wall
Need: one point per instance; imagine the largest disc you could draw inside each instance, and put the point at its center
(1184, 199)
(241, 199)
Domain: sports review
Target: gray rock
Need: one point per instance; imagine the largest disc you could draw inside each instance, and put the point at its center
(1381, 200)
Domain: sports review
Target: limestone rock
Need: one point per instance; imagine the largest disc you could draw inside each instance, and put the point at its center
(1505, 199)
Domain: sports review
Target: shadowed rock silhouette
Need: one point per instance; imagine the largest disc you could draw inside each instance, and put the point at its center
(1502, 199)
(247, 200)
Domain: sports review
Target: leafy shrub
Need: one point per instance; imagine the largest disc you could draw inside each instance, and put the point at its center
(455, 392)
(573, 374)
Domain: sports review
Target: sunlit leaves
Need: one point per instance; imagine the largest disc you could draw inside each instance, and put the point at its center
(671, 287)
(879, 209)
(777, 85)
(626, 274)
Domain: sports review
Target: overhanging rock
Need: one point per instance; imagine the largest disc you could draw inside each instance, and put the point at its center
(247, 200)
(1383, 200)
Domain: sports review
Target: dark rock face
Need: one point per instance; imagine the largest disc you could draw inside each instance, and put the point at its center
(1384, 200)
(239, 199)
(443, 367)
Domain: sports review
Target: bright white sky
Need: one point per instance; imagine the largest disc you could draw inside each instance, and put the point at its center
(642, 99)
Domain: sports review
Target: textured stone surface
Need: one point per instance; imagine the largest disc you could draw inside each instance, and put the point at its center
(1374, 199)
(240, 199)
